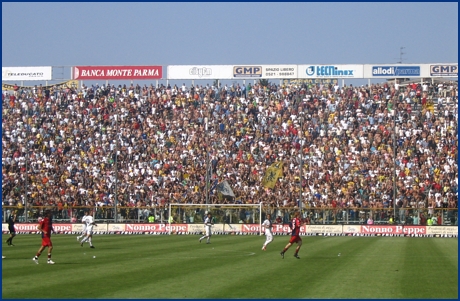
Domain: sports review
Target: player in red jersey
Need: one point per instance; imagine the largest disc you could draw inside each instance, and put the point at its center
(46, 227)
(295, 235)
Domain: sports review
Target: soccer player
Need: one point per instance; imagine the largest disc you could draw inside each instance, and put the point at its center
(83, 233)
(207, 225)
(267, 224)
(88, 218)
(46, 227)
(11, 221)
(295, 235)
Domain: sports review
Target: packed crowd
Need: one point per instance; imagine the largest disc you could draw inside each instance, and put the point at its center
(150, 146)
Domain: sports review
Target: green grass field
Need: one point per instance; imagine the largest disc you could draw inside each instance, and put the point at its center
(178, 266)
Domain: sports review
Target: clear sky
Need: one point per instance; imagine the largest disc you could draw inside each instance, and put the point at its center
(227, 33)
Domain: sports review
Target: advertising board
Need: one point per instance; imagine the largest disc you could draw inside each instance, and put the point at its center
(444, 70)
(197, 72)
(279, 71)
(385, 71)
(330, 71)
(26, 73)
(117, 72)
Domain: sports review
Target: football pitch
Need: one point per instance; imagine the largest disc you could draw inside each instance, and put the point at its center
(179, 267)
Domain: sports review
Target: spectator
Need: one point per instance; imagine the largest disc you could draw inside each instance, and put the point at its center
(157, 137)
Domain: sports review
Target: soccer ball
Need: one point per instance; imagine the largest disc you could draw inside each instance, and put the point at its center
(40, 219)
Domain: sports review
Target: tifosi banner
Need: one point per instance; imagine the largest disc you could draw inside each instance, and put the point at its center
(71, 84)
(117, 72)
(313, 81)
(26, 73)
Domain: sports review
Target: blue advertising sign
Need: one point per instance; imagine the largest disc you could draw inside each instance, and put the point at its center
(401, 71)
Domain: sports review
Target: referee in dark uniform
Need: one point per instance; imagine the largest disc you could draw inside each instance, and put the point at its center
(11, 221)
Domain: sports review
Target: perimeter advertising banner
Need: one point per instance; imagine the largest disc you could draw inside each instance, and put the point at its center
(444, 70)
(278, 229)
(279, 71)
(324, 229)
(442, 230)
(210, 72)
(264, 71)
(26, 73)
(117, 72)
(58, 228)
(330, 71)
(383, 229)
(385, 71)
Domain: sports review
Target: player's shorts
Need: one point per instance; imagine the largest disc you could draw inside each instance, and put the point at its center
(12, 230)
(208, 231)
(46, 242)
(295, 239)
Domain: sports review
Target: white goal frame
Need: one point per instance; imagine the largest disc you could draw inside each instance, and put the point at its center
(219, 206)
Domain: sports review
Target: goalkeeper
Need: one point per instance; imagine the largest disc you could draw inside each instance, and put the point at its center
(208, 222)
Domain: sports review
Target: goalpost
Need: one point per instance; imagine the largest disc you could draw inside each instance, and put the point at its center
(225, 214)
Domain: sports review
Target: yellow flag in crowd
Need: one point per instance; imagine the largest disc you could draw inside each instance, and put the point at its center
(272, 174)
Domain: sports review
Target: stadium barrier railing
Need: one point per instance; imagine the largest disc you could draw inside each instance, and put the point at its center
(280, 215)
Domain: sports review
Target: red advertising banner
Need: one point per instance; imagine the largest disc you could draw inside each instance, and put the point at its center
(365, 229)
(156, 228)
(117, 72)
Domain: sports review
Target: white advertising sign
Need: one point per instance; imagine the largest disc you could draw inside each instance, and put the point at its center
(279, 71)
(200, 72)
(337, 229)
(442, 70)
(26, 73)
(330, 71)
(442, 230)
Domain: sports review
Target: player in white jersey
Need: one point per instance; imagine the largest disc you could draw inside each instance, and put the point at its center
(88, 218)
(83, 233)
(207, 225)
(267, 224)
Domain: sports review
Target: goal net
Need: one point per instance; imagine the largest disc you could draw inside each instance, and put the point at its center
(226, 217)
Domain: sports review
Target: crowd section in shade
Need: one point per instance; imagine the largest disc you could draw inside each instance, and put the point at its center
(349, 140)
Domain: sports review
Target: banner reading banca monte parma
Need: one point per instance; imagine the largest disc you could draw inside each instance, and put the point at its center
(26, 73)
(117, 72)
